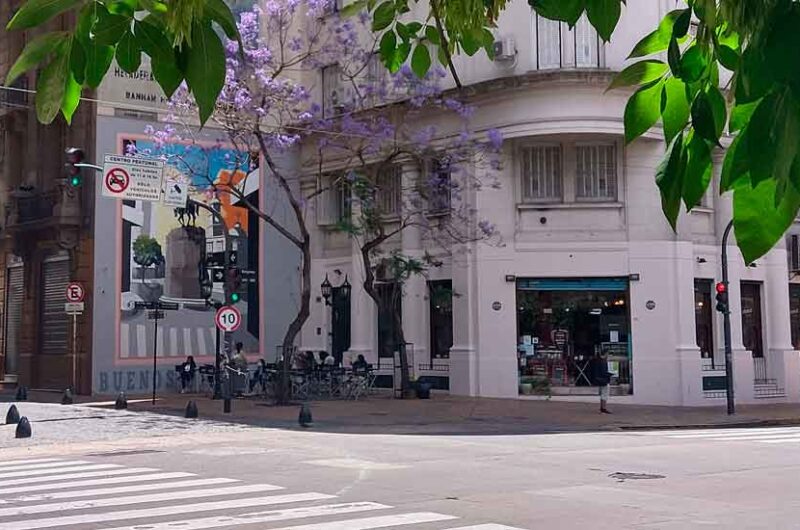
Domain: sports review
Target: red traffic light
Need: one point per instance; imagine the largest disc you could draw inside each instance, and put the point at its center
(74, 156)
(721, 288)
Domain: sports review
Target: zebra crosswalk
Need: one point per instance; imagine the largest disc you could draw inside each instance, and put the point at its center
(766, 435)
(61, 493)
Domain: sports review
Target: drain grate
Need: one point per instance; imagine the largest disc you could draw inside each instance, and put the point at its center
(622, 477)
(128, 453)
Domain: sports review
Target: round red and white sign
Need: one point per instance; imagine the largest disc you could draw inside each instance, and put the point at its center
(228, 318)
(75, 292)
(117, 180)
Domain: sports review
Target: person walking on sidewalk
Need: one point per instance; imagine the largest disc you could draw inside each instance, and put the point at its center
(601, 378)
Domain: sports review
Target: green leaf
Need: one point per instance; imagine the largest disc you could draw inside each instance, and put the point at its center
(98, 61)
(35, 52)
(718, 108)
(693, 64)
(51, 84)
(387, 45)
(472, 41)
(353, 8)
(758, 223)
(703, 118)
(421, 60)
(753, 78)
(86, 20)
(168, 76)
(728, 57)
(205, 72)
(568, 11)
(772, 137)
(659, 40)
(413, 27)
(669, 180)
(604, 15)
(77, 61)
(681, 27)
(488, 43)
(642, 110)
(734, 167)
(706, 11)
(383, 16)
(37, 12)
(741, 114)
(782, 44)
(698, 171)
(109, 29)
(220, 13)
(129, 55)
(639, 73)
(674, 57)
(72, 97)
(152, 39)
(432, 34)
(674, 107)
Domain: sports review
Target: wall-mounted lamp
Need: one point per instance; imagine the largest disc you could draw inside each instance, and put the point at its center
(752, 265)
(327, 290)
(700, 260)
(510, 278)
(634, 277)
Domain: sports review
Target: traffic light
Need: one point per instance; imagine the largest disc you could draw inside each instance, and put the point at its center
(74, 174)
(722, 297)
(233, 285)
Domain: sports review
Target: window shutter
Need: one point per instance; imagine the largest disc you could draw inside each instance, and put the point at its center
(548, 43)
(55, 331)
(324, 203)
(541, 173)
(596, 172)
(586, 44)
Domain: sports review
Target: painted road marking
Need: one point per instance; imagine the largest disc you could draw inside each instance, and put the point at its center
(45, 465)
(136, 499)
(260, 517)
(71, 476)
(161, 511)
(96, 482)
(92, 467)
(490, 526)
(10, 463)
(123, 489)
(369, 523)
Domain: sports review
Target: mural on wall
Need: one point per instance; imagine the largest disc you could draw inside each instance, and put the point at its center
(164, 253)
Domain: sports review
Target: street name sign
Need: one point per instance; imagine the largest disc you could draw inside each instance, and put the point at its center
(133, 179)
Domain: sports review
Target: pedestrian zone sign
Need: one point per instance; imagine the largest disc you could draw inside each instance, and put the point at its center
(135, 179)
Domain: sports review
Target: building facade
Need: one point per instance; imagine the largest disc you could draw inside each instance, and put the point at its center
(588, 265)
(46, 239)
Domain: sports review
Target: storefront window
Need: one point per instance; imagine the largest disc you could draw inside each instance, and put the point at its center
(703, 319)
(562, 324)
(794, 313)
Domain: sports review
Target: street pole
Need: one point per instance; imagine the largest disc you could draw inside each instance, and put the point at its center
(217, 361)
(74, 353)
(726, 323)
(155, 352)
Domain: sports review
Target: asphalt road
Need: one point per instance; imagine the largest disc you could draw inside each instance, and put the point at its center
(89, 469)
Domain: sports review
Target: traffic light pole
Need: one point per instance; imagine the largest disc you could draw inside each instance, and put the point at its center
(726, 323)
(218, 349)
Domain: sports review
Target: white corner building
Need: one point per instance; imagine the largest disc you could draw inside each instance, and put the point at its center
(589, 262)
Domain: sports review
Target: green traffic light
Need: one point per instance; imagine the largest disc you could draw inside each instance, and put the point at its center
(75, 181)
(234, 297)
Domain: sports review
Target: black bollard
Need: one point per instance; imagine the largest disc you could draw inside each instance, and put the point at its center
(122, 402)
(191, 410)
(305, 416)
(23, 428)
(226, 405)
(12, 416)
(67, 398)
(22, 393)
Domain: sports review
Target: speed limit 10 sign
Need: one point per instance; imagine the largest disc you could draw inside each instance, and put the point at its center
(228, 318)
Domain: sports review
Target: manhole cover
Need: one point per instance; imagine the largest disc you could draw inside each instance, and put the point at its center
(622, 477)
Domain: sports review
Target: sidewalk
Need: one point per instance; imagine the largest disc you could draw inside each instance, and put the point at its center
(445, 414)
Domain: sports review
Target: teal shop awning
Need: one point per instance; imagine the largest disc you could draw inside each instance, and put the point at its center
(573, 284)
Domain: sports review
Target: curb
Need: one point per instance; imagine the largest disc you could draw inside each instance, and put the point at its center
(739, 424)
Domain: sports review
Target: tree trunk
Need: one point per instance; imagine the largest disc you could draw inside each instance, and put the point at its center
(284, 395)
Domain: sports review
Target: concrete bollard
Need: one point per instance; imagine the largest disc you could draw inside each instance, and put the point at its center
(22, 393)
(305, 419)
(67, 398)
(122, 402)
(12, 416)
(191, 410)
(23, 428)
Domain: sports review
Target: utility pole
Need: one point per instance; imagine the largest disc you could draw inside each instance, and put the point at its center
(722, 300)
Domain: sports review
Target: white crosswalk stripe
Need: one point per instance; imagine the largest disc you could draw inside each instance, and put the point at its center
(151, 499)
(766, 435)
